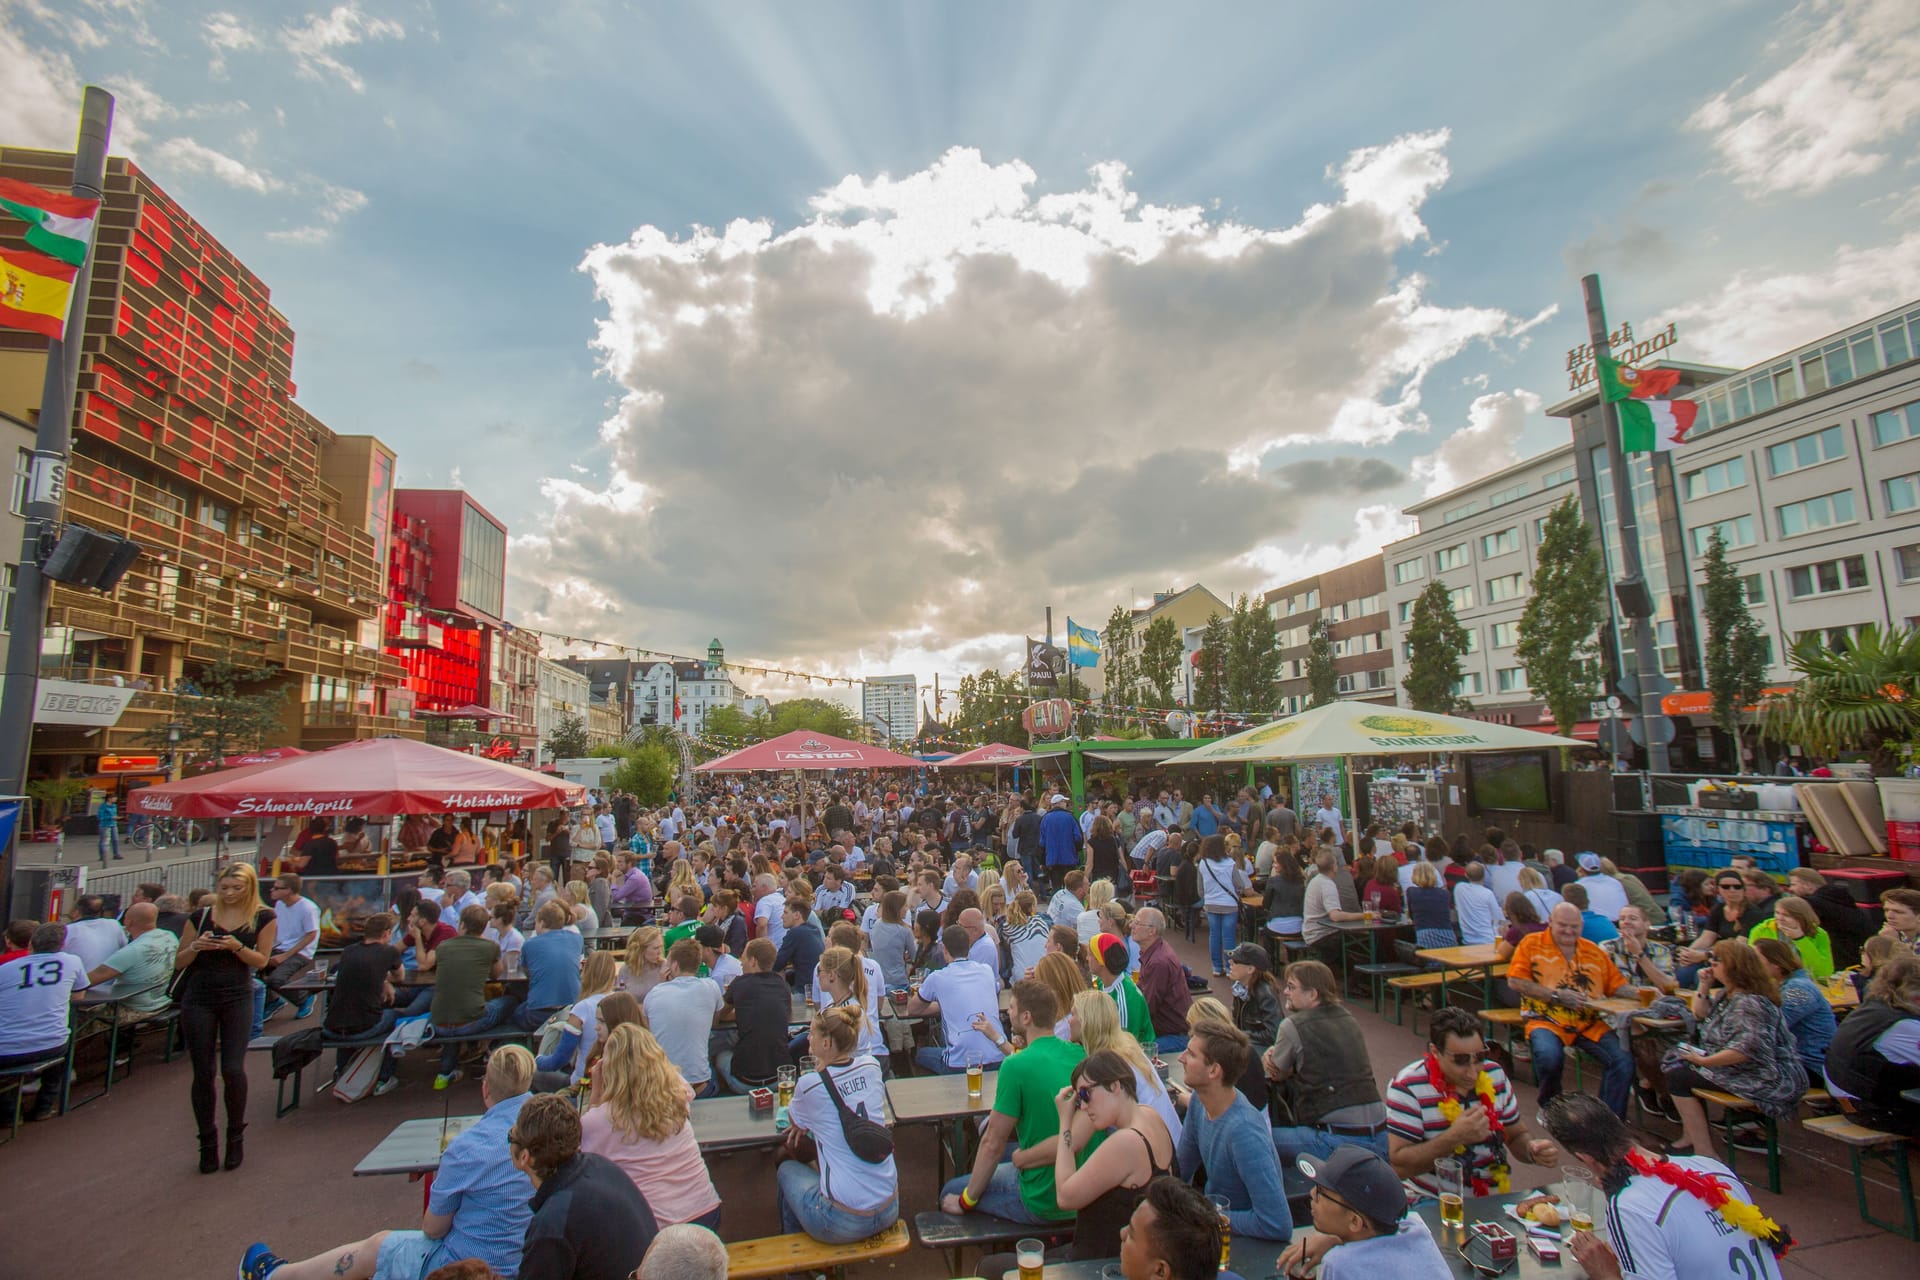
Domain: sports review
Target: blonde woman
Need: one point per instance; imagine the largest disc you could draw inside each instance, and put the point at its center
(646, 962)
(682, 882)
(638, 1118)
(1098, 896)
(1094, 1025)
(584, 919)
(224, 946)
(843, 981)
(568, 1061)
(845, 1199)
(988, 883)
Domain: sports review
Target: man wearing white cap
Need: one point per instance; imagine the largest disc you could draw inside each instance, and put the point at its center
(1060, 839)
(1605, 895)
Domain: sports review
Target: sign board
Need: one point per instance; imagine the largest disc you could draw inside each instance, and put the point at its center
(1049, 718)
(129, 764)
(97, 706)
(1622, 346)
(47, 479)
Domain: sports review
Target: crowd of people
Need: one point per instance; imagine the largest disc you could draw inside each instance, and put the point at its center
(1015, 931)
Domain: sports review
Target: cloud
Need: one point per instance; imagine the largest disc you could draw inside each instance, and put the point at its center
(1849, 92)
(41, 105)
(313, 43)
(226, 33)
(1755, 315)
(184, 155)
(943, 401)
(1488, 442)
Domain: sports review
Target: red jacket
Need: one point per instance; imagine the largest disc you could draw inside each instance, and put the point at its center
(1163, 981)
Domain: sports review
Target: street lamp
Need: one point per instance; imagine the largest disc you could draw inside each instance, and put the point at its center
(174, 730)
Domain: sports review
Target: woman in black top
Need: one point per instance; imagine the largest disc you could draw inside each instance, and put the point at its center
(224, 946)
(1286, 896)
(1259, 1005)
(1106, 852)
(1105, 1190)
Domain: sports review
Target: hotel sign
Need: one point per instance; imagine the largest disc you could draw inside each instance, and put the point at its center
(1621, 345)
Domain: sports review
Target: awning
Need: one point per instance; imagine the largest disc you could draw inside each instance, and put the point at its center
(1150, 756)
(1586, 731)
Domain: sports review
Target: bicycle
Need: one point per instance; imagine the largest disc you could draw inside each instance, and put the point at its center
(158, 833)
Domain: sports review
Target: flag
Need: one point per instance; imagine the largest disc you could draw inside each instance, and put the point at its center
(34, 290)
(61, 226)
(1655, 426)
(1083, 645)
(1623, 382)
(1040, 672)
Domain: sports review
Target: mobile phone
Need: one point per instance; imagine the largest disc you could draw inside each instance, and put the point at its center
(1545, 1250)
(1688, 1047)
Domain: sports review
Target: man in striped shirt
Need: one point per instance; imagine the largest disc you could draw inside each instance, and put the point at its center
(1435, 1110)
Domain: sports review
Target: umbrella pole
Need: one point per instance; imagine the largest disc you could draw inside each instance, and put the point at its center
(1353, 807)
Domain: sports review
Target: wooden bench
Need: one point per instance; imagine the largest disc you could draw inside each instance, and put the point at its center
(1889, 1149)
(802, 1254)
(1408, 984)
(295, 1082)
(1377, 974)
(1735, 1108)
(16, 1077)
(954, 1234)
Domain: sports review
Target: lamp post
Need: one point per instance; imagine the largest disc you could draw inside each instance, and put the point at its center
(174, 730)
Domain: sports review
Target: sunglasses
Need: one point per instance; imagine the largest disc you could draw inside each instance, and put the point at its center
(1461, 1059)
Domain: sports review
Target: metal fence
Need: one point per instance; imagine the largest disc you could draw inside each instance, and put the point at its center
(178, 877)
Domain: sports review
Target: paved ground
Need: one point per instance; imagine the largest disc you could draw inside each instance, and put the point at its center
(111, 1190)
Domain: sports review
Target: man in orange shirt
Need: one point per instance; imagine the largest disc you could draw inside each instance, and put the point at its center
(1556, 973)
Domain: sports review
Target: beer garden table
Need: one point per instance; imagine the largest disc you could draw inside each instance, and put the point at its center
(1481, 956)
(1493, 1209)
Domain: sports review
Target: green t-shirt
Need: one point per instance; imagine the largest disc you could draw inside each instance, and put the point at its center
(1025, 1091)
(685, 929)
(461, 967)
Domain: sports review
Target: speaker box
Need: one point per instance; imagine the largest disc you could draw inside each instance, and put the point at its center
(81, 557)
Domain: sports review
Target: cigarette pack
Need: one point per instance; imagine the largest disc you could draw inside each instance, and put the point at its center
(762, 1099)
(1545, 1250)
(1500, 1242)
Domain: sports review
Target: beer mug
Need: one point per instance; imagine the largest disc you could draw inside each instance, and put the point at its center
(1221, 1207)
(976, 1075)
(1451, 1176)
(1580, 1192)
(1032, 1257)
(783, 1078)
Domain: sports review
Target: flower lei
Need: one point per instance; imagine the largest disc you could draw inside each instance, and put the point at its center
(1499, 1183)
(1711, 1192)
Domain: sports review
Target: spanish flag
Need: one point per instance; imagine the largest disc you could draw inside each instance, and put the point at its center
(34, 290)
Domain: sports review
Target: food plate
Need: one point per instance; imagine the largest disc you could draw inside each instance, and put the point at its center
(1534, 1228)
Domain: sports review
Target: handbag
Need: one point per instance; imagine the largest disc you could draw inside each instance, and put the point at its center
(869, 1140)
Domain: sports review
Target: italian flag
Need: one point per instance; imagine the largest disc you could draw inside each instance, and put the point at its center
(59, 226)
(1655, 426)
(34, 290)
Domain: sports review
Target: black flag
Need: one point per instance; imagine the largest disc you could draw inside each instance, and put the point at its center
(1040, 657)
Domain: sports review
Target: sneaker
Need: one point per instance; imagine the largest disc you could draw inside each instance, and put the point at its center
(386, 1086)
(304, 1008)
(448, 1079)
(1750, 1137)
(273, 1005)
(259, 1263)
(1650, 1100)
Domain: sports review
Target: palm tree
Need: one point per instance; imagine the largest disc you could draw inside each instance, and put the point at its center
(1864, 697)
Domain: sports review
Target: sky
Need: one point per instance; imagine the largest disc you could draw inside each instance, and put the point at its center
(857, 334)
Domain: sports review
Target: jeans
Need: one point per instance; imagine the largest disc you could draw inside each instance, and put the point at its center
(1616, 1066)
(932, 1058)
(805, 1207)
(215, 1029)
(1223, 935)
(109, 834)
(1002, 1197)
(497, 1008)
(1170, 1044)
(1292, 1141)
(51, 1080)
(723, 1067)
(381, 1027)
(526, 1018)
(286, 971)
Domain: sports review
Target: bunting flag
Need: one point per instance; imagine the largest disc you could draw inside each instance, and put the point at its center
(34, 291)
(1083, 645)
(60, 226)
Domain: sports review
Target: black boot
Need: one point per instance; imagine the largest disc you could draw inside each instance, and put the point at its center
(236, 1152)
(209, 1150)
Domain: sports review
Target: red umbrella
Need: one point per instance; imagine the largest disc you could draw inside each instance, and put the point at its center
(374, 776)
(258, 757)
(806, 750)
(994, 753)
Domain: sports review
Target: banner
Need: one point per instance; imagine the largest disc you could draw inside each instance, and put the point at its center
(1040, 672)
(9, 818)
(70, 702)
(1083, 645)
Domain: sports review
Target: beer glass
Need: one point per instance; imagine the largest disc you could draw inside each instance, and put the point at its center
(1451, 1176)
(1579, 1190)
(1221, 1207)
(783, 1084)
(1032, 1257)
(976, 1075)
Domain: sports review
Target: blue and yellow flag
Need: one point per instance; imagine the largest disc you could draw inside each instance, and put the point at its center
(1083, 645)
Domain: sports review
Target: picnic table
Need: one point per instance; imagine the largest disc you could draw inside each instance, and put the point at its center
(608, 938)
(1373, 929)
(1249, 1257)
(1493, 1209)
(1481, 956)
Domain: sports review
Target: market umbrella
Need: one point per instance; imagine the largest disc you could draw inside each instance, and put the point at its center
(994, 753)
(805, 750)
(1347, 729)
(372, 776)
(268, 756)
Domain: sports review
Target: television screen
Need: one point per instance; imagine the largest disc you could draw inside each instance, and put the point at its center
(1511, 780)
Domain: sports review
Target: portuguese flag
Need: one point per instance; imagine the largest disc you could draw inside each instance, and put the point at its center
(1647, 424)
(59, 226)
(34, 290)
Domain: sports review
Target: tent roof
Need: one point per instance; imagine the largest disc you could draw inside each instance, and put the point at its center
(1366, 729)
(806, 750)
(994, 753)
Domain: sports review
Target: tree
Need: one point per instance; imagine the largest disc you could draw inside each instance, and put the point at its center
(731, 727)
(1435, 643)
(1210, 668)
(1323, 682)
(817, 714)
(1253, 658)
(648, 771)
(568, 741)
(988, 710)
(1736, 647)
(1560, 628)
(223, 718)
(1123, 672)
(1160, 659)
(1865, 696)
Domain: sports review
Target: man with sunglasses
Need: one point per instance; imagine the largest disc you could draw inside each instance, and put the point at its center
(478, 1207)
(1361, 1227)
(1734, 917)
(1453, 1102)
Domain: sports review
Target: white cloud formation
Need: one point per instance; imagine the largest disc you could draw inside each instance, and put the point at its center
(1757, 315)
(1488, 442)
(941, 378)
(226, 33)
(184, 155)
(1850, 91)
(40, 104)
(313, 43)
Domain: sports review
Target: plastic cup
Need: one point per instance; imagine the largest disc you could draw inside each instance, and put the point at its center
(976, 1076)
(1451, 1176)
(1032, 1257)
(1221, 1207)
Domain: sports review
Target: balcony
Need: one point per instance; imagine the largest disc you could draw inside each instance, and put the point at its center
(327, 725)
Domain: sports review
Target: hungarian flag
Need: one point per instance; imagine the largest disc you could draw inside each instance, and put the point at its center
(1624, 382)
(34, 290)
(1655, 426)
(60, 226)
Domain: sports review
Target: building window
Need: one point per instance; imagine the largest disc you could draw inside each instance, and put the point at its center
(1409, 570)
(1889, 425)
(1344, 684)
(1807, 451)
(1838, 639)
(9, 577)
(1459, 513)
(1553, 479)
(1461, 597)
(22, 477)
(1823, 512)
(1827, 577)
(1505, 635)
(1379, 678)
(1406, 611)
(1469, 685)
(1506, 587)
(1540, 530)
(1454, 557)
(1903, 493)
(216, 515)
(1506, 495)
(1755, 587)
(1473, 640)
(1499, 544)
(1717, 478)
(1907, 561)
(1509, 680)
(1737, 532)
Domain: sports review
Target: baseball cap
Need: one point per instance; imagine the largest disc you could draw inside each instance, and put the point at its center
(1057, 799)
(1361, 1179)
(1589, 861)
(1253, 955)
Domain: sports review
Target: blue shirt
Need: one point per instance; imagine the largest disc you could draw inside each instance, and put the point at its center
(1809, 1015)
(1238, 1154)
(489, 1200)
(552, 962)
(1595, 927)
(1205, 821)
(1408, 1254)
(1060, 837)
